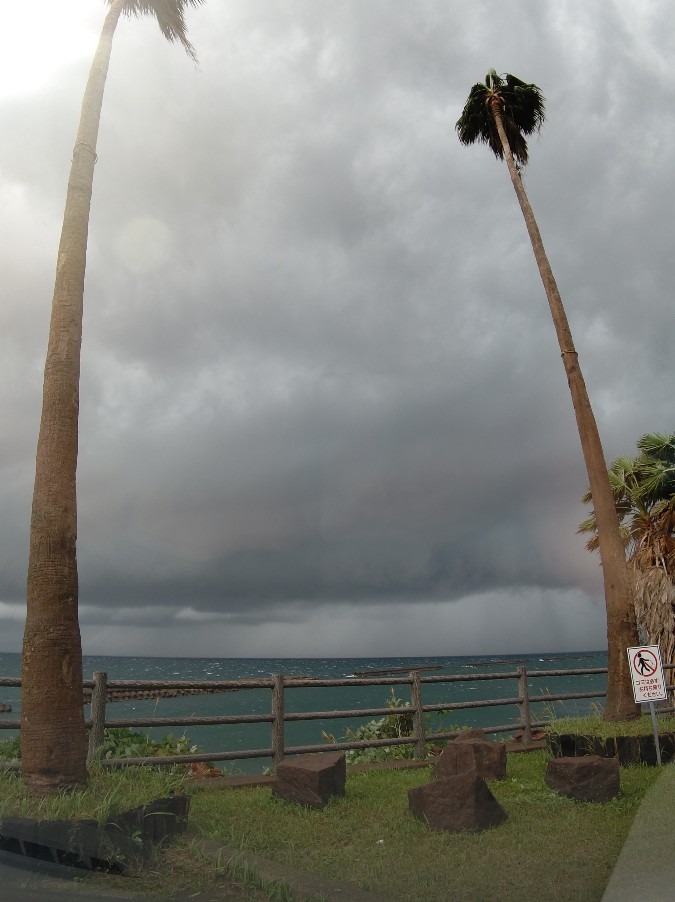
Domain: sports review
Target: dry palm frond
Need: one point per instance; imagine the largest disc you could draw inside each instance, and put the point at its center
(170, 16)
(654, 593)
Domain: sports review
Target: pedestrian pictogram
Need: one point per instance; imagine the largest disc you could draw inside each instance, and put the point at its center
(646, 670)
(645, 662)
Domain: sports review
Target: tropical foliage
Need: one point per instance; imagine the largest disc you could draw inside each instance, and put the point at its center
(644, 494)
(502, 112)
(391, 726)
(119, 742)
(522, 108)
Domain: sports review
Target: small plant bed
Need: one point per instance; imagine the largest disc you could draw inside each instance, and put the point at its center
(113, 824)
(631, 741)
(119, 845)
(391, 726)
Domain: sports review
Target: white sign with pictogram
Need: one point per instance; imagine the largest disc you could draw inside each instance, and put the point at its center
(646, 670)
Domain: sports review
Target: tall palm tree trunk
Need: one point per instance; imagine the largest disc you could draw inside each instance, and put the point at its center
(53, 741)
(621, 624)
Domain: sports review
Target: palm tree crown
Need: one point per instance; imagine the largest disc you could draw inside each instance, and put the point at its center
(644, 495)
(170, 17)
(522, 108)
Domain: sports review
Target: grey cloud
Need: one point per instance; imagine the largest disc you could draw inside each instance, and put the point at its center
(319, 374)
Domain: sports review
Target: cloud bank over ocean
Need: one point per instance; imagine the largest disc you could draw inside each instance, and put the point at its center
(322, 405)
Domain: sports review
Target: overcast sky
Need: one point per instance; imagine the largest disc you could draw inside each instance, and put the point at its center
(323, 410)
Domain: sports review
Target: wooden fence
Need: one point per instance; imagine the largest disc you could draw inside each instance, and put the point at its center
(101, 689)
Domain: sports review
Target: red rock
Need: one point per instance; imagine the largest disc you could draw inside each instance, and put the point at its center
(460, 802)
(311, 779)
(587, 779)
(468, 753)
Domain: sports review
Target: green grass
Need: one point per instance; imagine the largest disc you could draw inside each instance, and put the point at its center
(549, 848)
(108, 792)
(603, 729)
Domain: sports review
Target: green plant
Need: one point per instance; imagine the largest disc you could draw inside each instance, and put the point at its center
(596, 726)
(10, 749)
(108, 792)
(120, 742)
(391, 726)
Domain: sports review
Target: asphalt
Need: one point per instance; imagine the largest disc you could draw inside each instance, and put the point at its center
(28, 880)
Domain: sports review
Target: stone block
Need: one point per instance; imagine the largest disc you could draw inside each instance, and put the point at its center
(587, 779)
(468, 753)
(628, 749)
(472, 733)
(460, 802)
(311, 779)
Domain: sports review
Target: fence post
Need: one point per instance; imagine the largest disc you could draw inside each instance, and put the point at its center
(98, 698)
(524, 703)
(418, 716)
(278, 715)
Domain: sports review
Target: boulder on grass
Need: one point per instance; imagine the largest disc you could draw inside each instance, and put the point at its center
(460, 802)
(311, 779)
(471, 751)
(587, 779)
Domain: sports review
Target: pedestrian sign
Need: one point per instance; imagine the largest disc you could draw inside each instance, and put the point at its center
(646, 670)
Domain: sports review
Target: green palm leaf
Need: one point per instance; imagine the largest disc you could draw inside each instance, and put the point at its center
(523, 110)
(644, 494)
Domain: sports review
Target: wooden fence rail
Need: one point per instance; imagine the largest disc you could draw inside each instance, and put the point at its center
(103, 690)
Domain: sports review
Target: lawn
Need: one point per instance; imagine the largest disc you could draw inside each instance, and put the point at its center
(550, 848)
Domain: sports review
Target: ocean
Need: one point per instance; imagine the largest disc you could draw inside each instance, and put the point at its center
(258, 701)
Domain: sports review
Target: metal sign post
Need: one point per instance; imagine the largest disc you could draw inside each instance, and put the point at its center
(649, 683)
(655, 728)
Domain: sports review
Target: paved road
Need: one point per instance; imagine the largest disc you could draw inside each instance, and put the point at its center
(46, 884)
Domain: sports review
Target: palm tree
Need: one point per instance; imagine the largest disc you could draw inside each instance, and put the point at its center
(501, 113)
(53, 748)
(644, 495)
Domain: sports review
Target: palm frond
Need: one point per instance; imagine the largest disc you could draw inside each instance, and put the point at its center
(654, 593)
(656, 444)
(523, 112)
(474, 123)
(170, 16)
(493, 81)
(644, 494)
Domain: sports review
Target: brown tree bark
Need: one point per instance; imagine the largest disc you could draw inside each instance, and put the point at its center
(621, 622)
(53, 741)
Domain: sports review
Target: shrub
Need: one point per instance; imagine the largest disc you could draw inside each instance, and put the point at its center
(118, 742)
(121, 742)
(10, 750)
(391, 726)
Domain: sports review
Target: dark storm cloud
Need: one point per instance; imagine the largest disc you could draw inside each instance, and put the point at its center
(319, 375)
